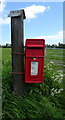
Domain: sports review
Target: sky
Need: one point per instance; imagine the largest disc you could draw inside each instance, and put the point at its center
(43, 20)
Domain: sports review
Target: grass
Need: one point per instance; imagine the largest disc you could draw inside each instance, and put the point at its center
(44, 100)
(55, 54)
(6, 54)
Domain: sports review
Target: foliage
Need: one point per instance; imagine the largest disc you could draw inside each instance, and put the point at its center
(41, 101)
(60, 45)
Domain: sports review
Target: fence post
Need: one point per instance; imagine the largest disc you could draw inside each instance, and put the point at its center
(17, 42)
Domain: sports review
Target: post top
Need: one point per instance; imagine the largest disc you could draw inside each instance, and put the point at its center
(16, 13)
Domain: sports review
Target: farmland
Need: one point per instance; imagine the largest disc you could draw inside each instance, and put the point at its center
(44, 100)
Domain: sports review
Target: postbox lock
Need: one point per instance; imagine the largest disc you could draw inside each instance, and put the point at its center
(34, 58)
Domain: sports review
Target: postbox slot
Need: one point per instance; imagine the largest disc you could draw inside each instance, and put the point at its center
(35, 46)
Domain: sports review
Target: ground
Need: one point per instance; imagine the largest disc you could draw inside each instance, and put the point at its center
(45, 100)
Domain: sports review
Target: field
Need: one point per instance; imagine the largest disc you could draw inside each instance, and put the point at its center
(41, 101)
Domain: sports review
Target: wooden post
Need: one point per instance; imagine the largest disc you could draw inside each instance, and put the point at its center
(17, 50)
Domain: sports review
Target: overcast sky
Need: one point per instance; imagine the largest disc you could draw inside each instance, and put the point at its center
(43, 20)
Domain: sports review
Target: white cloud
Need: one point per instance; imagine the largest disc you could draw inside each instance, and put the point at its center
(59, 36)
(2, 6)
(4, 20)
(53, 39)
(32, 11)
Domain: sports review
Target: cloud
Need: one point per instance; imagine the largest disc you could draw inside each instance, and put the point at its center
(32, 11)
(2, 6)
(53, 38)
(59, 36)
(4, 20)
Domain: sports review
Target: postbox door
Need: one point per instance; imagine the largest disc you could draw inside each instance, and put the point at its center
(34, 70)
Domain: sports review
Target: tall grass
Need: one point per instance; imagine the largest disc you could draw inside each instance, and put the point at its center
(41, 101)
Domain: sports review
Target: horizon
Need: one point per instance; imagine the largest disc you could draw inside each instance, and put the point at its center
(45, 44)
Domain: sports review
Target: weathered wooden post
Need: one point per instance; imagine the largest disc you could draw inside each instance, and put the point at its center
(17, 42)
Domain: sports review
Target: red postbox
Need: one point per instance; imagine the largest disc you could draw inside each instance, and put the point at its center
(34, 66)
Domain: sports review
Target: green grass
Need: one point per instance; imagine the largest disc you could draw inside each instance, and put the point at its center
(55, 54)
(6, 54)
(44, 100)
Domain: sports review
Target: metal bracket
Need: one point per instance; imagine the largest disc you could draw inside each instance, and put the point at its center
(18, 73)
(18, 53)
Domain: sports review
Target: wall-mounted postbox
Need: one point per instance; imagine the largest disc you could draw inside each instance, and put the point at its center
(34, 66)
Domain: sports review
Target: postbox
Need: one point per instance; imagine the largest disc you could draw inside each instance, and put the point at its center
(34, 63)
